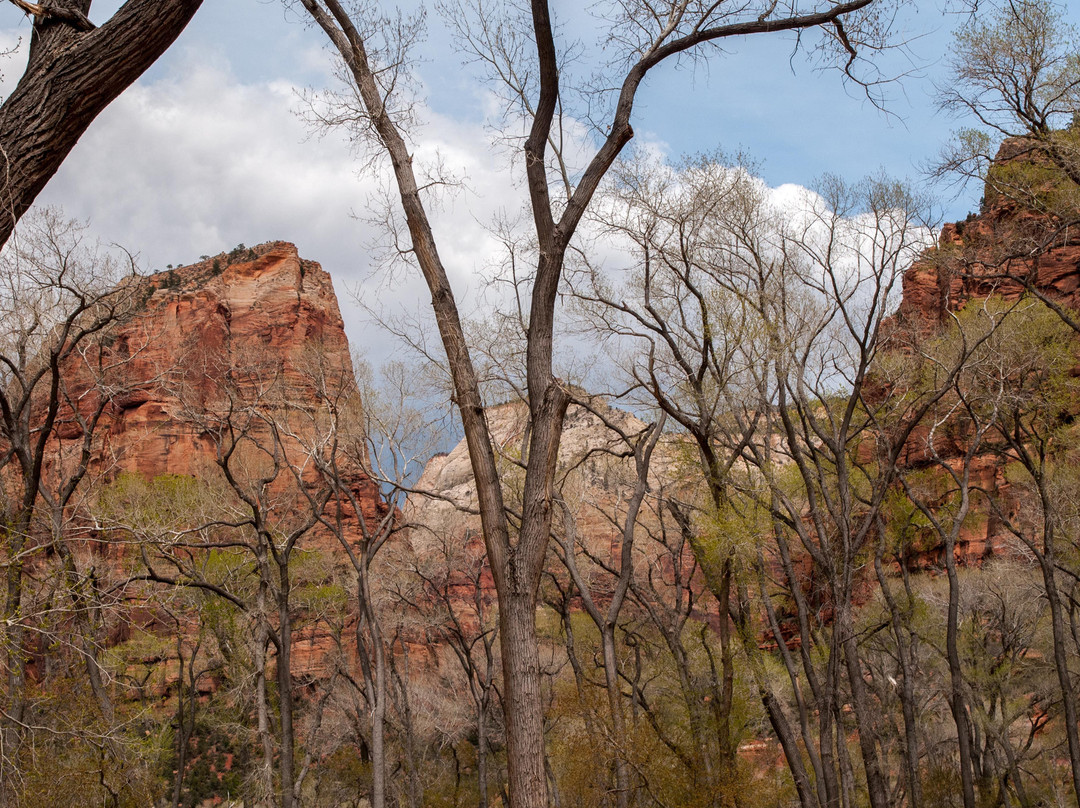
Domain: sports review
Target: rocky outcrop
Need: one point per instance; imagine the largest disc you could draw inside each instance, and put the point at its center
(1017, 244)
(587, 444)
(202, 339)
(1006, 248)
(203, 348)
(594, 479)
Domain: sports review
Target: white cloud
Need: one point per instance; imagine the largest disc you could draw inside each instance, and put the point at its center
(14, 48)
(199, 162)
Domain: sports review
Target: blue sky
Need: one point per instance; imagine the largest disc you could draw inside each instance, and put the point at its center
(207, 151)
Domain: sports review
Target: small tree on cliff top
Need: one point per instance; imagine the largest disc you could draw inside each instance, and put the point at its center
(1015, 71)
(518, 47)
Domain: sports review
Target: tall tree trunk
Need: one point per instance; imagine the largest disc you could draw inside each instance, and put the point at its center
(837, 795)
(482, 753)
(522, 701)
(284, 682)
(618, 717)
(414, 790)
(15, 636)
(773, 709)
(820, 752)
(906, 685)
(1061, 656)
(868, 738)
(262, 714)
(373, 667)
(957, 698)
(378, 732)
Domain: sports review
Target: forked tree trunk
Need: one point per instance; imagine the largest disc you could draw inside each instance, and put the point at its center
(516, 565)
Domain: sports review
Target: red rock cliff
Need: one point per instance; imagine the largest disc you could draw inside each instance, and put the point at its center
(194, 327)
(1008, 250)
(1001, 251)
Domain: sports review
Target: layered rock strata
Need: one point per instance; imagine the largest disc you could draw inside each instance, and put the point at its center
(1015, 245)
(255, 325)
(228, 345)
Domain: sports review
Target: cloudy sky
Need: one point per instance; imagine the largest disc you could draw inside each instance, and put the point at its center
(208, 150)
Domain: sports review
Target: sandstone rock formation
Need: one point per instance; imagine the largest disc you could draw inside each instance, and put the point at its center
(587, 445)
(256, 327)
(593, 483)
(594, 474)
(1000, 251)
(251, 318)
(1007, 251)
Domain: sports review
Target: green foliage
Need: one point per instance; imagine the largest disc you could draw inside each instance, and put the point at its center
(217, 763)
(321, 598)
(1034, 184)
(733, 531)
(1017, 66)
(83, 762)
(166, 504)
(1018, 360)
(941, 786)
(343, 777)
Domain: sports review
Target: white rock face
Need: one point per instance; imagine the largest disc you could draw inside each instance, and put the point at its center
(595, 477)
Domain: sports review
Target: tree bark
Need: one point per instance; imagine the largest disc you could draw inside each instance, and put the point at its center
(72, 75)
(957, 701)
(906, 660)
(262, 703)
(284, 682)
(522, 701)
(1061, 657)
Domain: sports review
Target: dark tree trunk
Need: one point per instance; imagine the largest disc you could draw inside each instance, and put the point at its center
(74, 72)
(957, 701)
(284, 682)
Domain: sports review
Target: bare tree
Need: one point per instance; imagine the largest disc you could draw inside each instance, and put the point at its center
(646, 35)
(681, 308)
(456, 602)
(1014, 71)
(75, 70)
(668, 591)
(842, 436)
(640, 447)
(947, 524)
(384, 437)
(1025, 386)
(766, 337)
(273, 500)
(60, 298)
